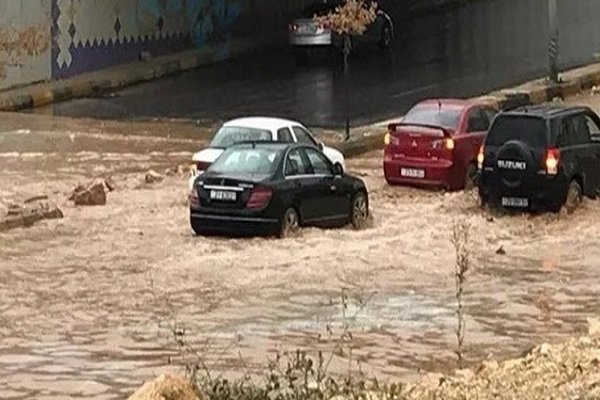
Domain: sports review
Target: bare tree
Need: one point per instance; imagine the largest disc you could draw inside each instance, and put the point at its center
(460, 241)
(350, 19)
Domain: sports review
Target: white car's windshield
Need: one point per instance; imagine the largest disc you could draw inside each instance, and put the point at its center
(229, 135)
(251, 161)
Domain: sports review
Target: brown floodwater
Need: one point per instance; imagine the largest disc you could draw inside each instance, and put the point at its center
(87, 303)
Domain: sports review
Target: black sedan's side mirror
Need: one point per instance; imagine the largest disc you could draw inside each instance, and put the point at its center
(338, 170)
(321, 146)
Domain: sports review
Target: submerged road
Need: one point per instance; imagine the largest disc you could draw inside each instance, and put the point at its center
(461, 51)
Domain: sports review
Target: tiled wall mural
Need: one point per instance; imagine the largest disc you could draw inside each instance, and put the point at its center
(94, 34)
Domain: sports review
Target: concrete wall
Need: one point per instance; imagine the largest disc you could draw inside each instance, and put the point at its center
(25, 41)
(45, 39)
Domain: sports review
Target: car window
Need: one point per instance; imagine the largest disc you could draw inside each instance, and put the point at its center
(294, 164)
(428, 114)
(230, 135)
(566, 133)
(490, 113)
(592, 126)
(254, 161)
(477, 121)
(319, 163)
(284, 135)
(303, 137)
(582, 131)
(529, 130)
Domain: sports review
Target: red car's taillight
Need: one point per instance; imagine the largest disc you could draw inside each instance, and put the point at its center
(260, 197)
(194, 198)
(552, 161)
(449, 144)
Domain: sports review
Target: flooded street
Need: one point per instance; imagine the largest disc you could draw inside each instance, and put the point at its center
(87, 303)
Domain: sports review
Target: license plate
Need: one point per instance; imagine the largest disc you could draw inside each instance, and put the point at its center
(515, 202)
(304, 29)
(222, 195)
(412, 173)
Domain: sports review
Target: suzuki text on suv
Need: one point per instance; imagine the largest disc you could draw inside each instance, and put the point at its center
(542, 156)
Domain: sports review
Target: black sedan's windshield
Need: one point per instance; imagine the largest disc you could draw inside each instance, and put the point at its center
(247, 161)
(229, 135)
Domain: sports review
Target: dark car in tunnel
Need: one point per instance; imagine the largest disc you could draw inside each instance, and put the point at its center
(273, 189)
(306, 33)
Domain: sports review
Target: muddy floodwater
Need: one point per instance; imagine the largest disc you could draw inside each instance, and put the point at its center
(87, 303)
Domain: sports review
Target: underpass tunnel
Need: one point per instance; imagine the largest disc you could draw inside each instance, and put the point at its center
(441, 49)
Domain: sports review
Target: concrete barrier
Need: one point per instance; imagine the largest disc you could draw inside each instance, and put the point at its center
(98, 82)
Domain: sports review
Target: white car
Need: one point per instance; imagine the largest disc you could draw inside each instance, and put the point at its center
(259, 129)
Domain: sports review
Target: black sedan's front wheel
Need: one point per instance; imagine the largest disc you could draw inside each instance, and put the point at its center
(290, 223)
(360, 211)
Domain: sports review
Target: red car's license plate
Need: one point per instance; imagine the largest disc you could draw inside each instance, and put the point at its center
(412, 173)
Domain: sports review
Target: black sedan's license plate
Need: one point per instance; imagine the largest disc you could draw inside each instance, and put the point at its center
(519, 202)
(222, 195)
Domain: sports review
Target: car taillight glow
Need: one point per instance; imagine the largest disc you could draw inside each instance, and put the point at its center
(260, 197)
(194, 198)
(480, 157)
(293, 27)
(390, 138)
(552, 161)
(449, 143)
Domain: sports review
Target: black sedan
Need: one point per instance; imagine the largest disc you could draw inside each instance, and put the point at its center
(275, 188)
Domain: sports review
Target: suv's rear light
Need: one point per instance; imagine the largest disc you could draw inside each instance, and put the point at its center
(260, 197)
(387, 138)
(194, 198)
(552, 161)
(480, 157)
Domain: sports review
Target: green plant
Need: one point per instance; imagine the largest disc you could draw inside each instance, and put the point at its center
(296, 375)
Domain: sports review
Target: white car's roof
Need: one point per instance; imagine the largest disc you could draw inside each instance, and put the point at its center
(272, 124)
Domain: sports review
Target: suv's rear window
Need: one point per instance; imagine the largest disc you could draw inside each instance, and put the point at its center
(529, 130)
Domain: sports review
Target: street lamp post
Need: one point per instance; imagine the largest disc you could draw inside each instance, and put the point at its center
(553, 41)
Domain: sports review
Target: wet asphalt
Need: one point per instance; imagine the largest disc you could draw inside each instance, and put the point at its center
(459, 52)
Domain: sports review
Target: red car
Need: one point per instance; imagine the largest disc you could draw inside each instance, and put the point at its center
(436, 144)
